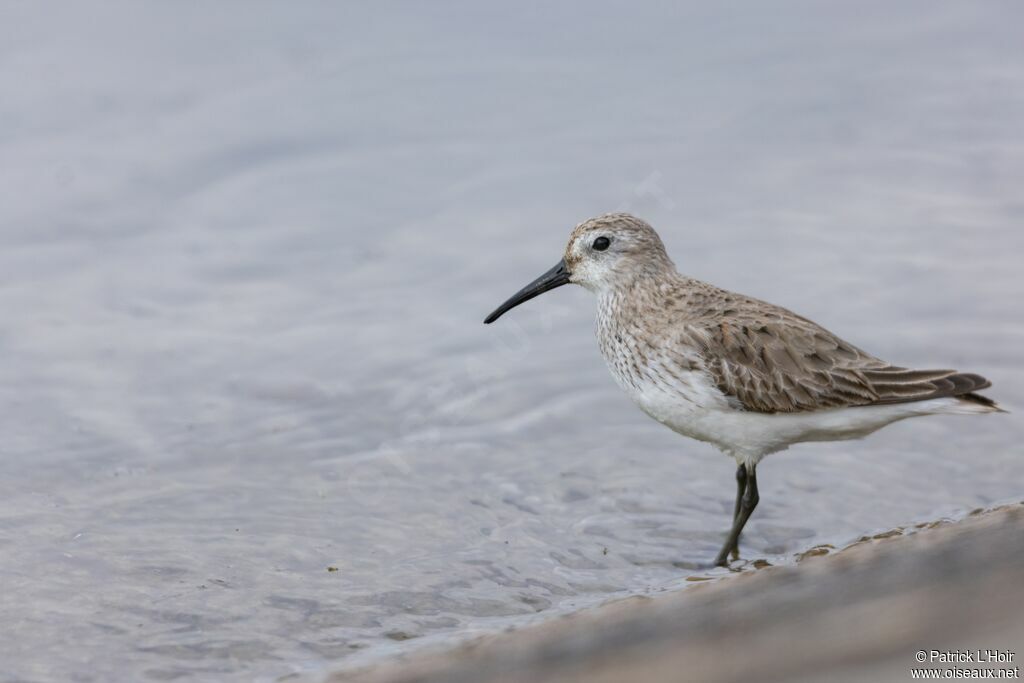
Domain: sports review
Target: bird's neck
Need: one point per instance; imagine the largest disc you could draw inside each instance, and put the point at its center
(645, 299)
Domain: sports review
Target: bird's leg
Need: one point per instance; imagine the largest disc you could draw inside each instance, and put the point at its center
(741, 486)
(748, 501)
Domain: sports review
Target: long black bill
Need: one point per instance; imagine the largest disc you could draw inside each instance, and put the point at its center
(556, 277)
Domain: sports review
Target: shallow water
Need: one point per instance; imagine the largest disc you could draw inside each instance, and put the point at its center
(245, 253)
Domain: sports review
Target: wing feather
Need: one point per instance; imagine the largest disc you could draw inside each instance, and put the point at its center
(782, 363)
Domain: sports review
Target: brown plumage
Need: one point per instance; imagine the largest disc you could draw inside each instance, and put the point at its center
(774, 361)
(764, 357)
(748, 376)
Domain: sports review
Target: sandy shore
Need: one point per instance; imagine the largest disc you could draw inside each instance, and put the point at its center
(860, 613)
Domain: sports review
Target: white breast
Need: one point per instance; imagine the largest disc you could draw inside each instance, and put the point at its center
(670, 385)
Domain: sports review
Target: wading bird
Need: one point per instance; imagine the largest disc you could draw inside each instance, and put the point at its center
(745, 375)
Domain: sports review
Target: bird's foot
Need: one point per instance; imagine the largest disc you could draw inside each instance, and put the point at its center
(728, 550)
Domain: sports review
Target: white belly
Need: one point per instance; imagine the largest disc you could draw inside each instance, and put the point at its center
(685, 404)
(700, 411)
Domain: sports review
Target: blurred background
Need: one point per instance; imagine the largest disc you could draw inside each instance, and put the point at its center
(251, 424)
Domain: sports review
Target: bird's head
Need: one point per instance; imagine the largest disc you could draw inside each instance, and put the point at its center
(603, 253)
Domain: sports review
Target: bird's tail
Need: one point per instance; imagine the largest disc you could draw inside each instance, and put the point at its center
(969, 404)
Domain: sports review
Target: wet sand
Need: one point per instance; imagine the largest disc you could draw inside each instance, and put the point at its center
(859, 613)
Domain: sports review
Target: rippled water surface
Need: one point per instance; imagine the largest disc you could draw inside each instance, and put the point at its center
(251, 422)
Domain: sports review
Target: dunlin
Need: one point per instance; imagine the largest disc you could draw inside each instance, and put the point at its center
(745, 375)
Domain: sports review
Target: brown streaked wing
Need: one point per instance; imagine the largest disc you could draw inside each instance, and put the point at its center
(783, 364)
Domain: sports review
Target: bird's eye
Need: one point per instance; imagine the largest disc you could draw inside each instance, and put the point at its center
(601, 243)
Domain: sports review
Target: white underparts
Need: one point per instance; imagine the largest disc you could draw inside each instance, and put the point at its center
(690, 403)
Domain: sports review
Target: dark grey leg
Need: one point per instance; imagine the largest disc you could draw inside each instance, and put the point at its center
(741, 486)
(748, 501)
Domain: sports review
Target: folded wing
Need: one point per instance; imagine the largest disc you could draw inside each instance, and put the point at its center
(786, 364)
